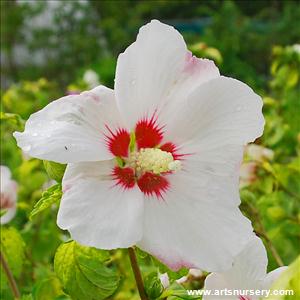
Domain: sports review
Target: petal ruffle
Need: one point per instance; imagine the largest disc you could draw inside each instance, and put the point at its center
(247, 273)
(272, 277)
(155, 70)
(220, 112)
(72, 128)
(95, 211)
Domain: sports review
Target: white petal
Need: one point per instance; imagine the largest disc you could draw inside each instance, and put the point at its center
(5, 172)
(5, 177)
(8, 189)
(194, 226)
(248, 271)
(155, 70)
(221, 161)
(213, 282)
(272, 277)
(72, 128)
(250, 266)
(96, 212)
(7, 217)
(220, 112)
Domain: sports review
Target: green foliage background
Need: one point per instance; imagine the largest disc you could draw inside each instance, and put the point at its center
(251, 42)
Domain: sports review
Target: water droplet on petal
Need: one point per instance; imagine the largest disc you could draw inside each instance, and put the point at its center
(35, 134)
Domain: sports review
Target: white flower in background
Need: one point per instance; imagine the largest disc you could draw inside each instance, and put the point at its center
(91, 78)
(155, 162)
(8, 196)
(248, 173)
(259, 153)
(296, 48)
(256, 154)
(249, 272)
(196, 273)
(182, 279)
(164, 279)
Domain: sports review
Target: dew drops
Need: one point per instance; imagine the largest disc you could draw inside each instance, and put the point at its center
(35, 134)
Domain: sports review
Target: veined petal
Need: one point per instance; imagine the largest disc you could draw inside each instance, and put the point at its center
(272, 277)
(219, 112)
(97, 213)
(247, 273)
(72, 128)
(155, 70)
(216, 169)
(193, 227)
(250, 265)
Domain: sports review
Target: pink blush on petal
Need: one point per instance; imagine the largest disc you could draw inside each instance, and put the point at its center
(190, 63)
(66, 188)
(194, 64)
(175, 264)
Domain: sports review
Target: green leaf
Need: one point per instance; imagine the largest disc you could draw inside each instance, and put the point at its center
(55, 170)
(13, 119)
(153, 286)
(288, 280)
(12, 247)
(176, 291)
(276, 212)
(84, 272)
(47, 289)
(49, 197)
(27, 297)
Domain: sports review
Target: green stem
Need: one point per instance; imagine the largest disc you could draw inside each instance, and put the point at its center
(10, 277)
(137, 274)
(261, 231)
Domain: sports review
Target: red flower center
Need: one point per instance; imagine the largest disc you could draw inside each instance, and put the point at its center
(147, 162)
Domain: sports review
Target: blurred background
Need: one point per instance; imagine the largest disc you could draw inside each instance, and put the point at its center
(59, 40)
(53, 48)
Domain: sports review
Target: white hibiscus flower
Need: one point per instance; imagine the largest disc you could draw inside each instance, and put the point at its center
(91, 78)
(154, 163)
(8, 195)
(249, 273)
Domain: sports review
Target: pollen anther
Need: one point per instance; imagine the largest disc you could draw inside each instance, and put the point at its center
(154, 160)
